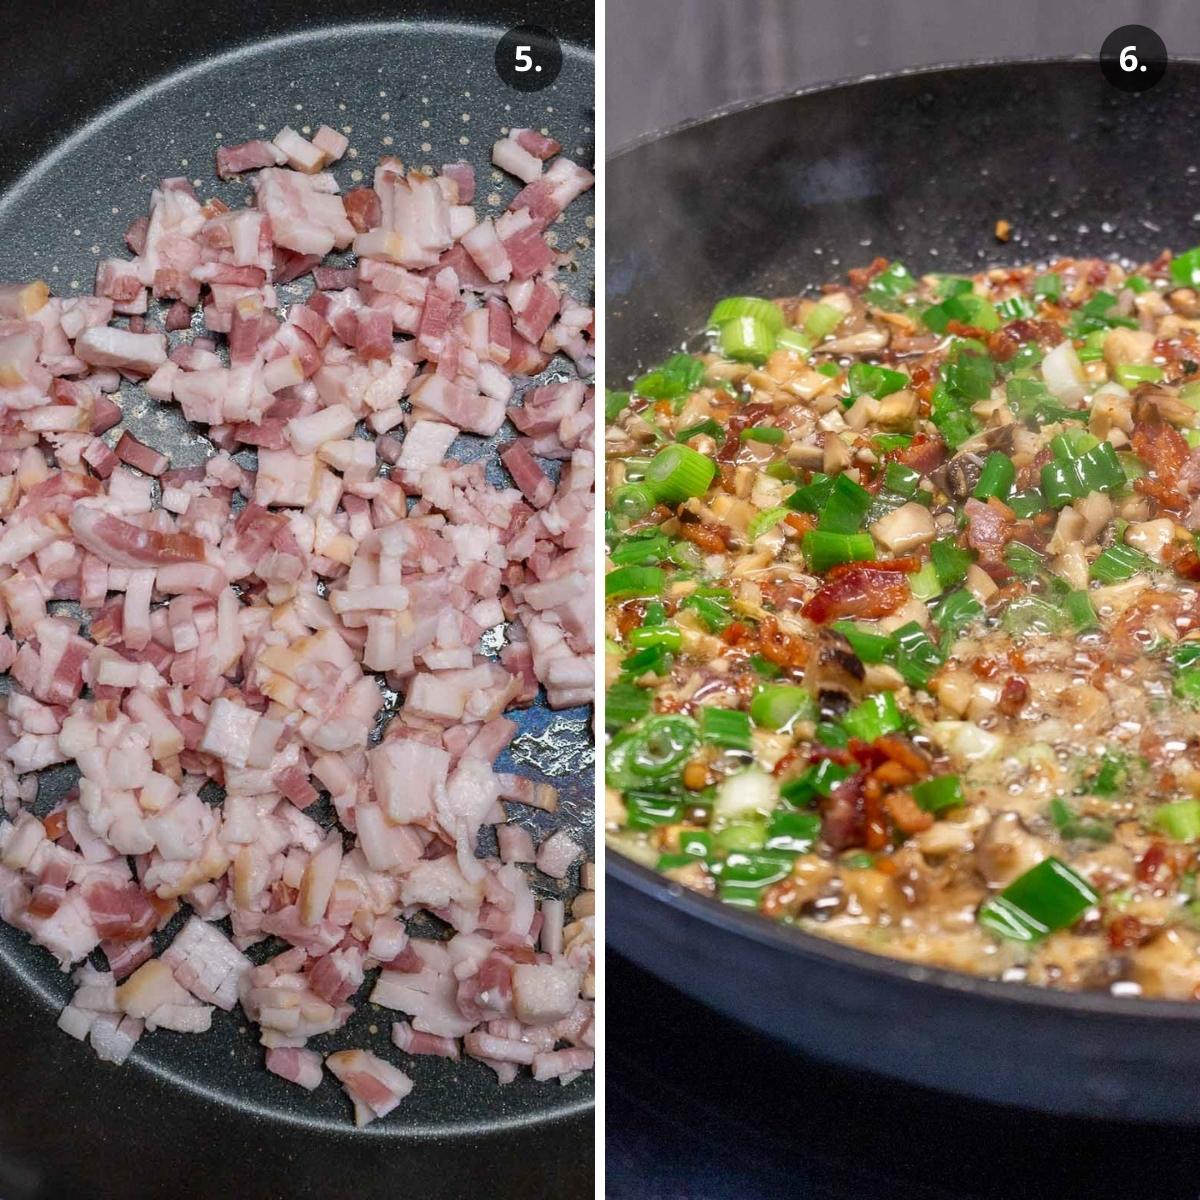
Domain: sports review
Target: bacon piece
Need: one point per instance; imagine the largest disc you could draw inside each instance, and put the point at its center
(989, 529)
(138, 454)
(1161, 447)
(857, 591)
(537, 144)
(121, 544)
(246, 156)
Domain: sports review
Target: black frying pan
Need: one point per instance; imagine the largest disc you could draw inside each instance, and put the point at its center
(781, 196)
(99, 102)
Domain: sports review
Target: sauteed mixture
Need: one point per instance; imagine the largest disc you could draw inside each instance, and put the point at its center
(903, 618)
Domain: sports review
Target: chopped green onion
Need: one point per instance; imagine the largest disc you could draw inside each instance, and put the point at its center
(818, 780)
(1180, 821)
(873, 717)
(1046, 898)
(624, 703)
(860, 860)
(822, 320)
(848, 503)
(615, 403)
(654, 614)
(1185, 267)
(1023, 561)
(1186, 686)
(812, 496)
(742, 837)
(653, 660)
(926, 583)
(1048, 286)
(793, 831)
(1112, 776)
(725, 727)
(1129, 375)
(747, 339)
(824, 550)
(763, 666)
(887, 442)
(952, 285)
(1031, 399)
(648, 810)
(1119, 563)
(661, 746)
(950, 562)
(953, 613)
(868, 647)
(1070, 826)
(779, 706)
(677, 473)
(794, 340)
(733, 307)
(708, 427)
(644, 550)
(829, 370)
(766, 520)
(915, 655)
(970, 375)
(633, 501)
(1096, 470)
(744, 877)
(763, 433)
(711, 614)
(679, 376)
(625, 583)
(1016, 308)
(672, 862)
(966, 308)
(940, 794)
(1078, 606)
(670, 637)
(890, 284)
(830, 734)
(1027, 504)
(1031, 615)
(997, 477)
(899, 478)
(867, 379)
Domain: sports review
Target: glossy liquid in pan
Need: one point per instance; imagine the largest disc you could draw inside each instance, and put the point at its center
(771, 200)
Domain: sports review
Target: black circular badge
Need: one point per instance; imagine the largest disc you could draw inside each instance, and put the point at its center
(1133, 58)
(528, 58)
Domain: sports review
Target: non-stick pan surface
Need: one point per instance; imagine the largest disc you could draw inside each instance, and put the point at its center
(777, 198)
(199, 1116)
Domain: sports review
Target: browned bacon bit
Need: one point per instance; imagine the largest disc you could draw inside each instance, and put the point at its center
(857, 592)
(861, 276)
(780, 647)
(960, 329)
(1187, 565)
(989, 528)
(738, 634)
(1127, 931)
(1013, 696)
(629, 616)
(906, 814)
(1157, 867)
(905, 565)
(902, 751)
(926, 453)
(1160, 446)
(1004, 343)
(1160, 490)
(716, 539)
(843, 818)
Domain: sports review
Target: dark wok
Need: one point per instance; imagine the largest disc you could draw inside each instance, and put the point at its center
(784, 195)
(100, 101)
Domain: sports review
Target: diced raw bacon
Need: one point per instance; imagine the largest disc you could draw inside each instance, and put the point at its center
(463, 175)
(536, 486)
(298, 1066)
(529, 252)
(538, 144)
(363, 208)
(138, 454)
(246, 156)
(246, 623)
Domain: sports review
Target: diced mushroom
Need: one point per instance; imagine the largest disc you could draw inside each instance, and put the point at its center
(904, 528)
(1128, 346)
(1151, 537)
(897, 411)
(1007, 849)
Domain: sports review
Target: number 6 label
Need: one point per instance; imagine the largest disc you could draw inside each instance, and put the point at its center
(528, 58)
(1133, 58)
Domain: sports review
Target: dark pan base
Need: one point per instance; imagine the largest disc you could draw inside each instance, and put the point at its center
(199, 1115)
(773, 200)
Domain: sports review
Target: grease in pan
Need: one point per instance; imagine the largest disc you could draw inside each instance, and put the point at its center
(902, 619)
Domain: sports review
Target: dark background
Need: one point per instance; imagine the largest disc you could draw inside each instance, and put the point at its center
(698, 1108)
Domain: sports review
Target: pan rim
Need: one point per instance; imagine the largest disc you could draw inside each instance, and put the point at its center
(560, 1110)
(734, 107)
(798, 943)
